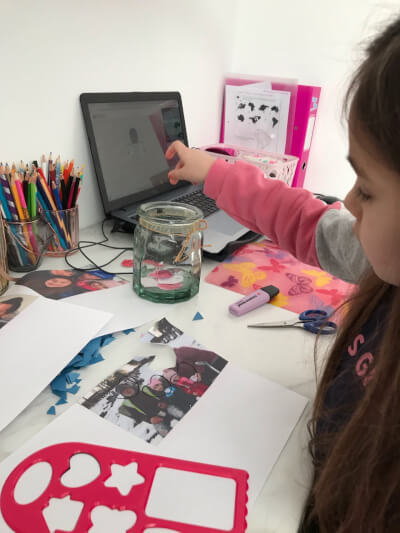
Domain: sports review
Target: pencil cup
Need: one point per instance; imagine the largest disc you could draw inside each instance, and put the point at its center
(65, 226)
(3, 259)
(27, 241)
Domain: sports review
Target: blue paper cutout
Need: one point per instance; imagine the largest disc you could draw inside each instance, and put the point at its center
(74, 389)
(198, 316)
(61, 394)
(51, 411)
(89, 355)
(61, 401)
(72, 377)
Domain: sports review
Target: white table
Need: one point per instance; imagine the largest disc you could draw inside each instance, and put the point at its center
(283, 356)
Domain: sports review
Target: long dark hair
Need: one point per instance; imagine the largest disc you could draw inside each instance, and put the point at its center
(356, 487)
(36, 281)
(14, 302)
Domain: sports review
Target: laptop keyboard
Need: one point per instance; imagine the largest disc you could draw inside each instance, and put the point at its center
(200, 200)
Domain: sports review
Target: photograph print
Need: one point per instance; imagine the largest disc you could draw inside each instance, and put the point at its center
(57, 284)
(149, 403)
(12, 306)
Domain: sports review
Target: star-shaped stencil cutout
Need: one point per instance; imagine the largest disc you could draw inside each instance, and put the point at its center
(124, 478)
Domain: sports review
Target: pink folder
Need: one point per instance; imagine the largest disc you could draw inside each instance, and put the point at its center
(303, 129)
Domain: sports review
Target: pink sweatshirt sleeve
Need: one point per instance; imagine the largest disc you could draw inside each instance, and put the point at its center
(288, 216)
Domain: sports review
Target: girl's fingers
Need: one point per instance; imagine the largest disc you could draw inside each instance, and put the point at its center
(174, 175)
(177, 147)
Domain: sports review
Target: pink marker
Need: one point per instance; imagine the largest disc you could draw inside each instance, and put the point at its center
(253, 300)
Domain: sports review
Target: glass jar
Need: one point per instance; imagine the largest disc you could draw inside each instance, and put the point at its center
(167, 253)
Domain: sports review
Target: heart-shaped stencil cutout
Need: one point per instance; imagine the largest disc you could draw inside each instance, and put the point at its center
(83, 469)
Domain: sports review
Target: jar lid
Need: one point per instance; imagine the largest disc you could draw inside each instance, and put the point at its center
(171, 217)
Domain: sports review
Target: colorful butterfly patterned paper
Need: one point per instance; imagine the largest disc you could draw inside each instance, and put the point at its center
(301, 286)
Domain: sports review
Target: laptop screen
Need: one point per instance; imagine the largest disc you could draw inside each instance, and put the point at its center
(128, 134)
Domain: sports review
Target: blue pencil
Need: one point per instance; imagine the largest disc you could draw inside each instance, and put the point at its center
(57, 199)
(9, 197)
(4, 203)
(19, 251)
(55, 221)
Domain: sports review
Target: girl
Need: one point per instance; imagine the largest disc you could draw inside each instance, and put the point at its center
(355, 428)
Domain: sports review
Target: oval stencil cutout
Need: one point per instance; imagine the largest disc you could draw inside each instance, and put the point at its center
(33, 483)
(83, 469)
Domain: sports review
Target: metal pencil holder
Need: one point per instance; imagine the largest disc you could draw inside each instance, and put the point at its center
(65, 226)
(27, 241)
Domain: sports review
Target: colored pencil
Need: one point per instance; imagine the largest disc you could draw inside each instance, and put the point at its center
(50, 220)
(49, 166)
(25, 211)
(71, 193)
(9, 197)
(22, 216)
(21, 258)
(46, 194)
(77, 196)
(75, 193)
(4, 203)
(16, 198)
(21, 195)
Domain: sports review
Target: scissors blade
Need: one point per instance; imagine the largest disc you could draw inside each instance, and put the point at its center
(280, 324)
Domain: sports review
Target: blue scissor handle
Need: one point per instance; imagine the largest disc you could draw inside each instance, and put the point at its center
(314, 321)
(313, 315)
(320, 326)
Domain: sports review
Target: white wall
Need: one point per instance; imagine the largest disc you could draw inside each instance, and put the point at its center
(51, 51)
(317, 42)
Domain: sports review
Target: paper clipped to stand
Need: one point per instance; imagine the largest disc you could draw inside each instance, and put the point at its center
(276, 84)
(256, 118)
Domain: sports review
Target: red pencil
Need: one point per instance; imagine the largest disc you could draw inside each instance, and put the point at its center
(40, 170)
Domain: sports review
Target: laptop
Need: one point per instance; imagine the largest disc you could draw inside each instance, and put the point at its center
(128, 134)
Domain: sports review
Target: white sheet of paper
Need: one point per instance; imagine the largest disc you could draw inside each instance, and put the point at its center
(256, 119)
(261, 86)
(37, 344)
(242, 422)
(79, 425)
(128, 309)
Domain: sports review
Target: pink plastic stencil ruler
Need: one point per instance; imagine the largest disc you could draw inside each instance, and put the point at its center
(28, 518)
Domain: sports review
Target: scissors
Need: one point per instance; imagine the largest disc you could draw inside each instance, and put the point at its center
(313, 320)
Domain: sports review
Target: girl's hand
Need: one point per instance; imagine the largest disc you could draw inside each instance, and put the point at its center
(193, 165)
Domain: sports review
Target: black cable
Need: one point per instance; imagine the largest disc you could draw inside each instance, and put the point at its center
(88, 244)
